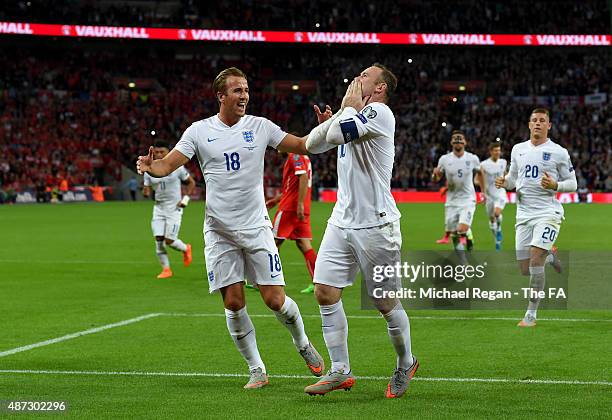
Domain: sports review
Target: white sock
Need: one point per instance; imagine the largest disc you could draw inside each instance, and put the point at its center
(537, 280)
(398, 327)
(179, 245)
(162, 255)
(500, 218)
(289, 316)
(493, 227)
(242, 331)
(335, 333)
(549, 258)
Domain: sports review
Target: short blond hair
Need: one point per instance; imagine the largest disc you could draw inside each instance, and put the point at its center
(220, 83)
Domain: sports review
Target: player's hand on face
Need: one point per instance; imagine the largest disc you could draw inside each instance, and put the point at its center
(143, 164)
(300, 212)
(323, 116)
(548, 183)
(354, 96)
(499, 182)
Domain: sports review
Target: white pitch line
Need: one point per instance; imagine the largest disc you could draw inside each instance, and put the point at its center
(78, 334)
(73, 262)
(451, 318)
(367, 378)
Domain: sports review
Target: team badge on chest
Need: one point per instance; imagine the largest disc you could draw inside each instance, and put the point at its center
(545, 156)
(248, 136)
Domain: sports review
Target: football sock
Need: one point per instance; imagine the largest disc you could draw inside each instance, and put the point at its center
(311, 257)
(499, 218)
(459, 241)
(335, 333)
(493, 227)
(549, 258)
(178, 245)
(289, 316)
(242, 331)
(536, 283)
(162, 255)
(398, 327)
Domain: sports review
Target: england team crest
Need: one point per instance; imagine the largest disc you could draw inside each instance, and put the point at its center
(545, 156)
(248, 136)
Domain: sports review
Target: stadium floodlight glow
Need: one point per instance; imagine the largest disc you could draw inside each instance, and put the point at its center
(295, 87)
(497, 139)
(345, 80)
(461, 88)
(318, 25)
(454, 99)
(410, 61)
(443, 124)
(153, 132)
(131, 85)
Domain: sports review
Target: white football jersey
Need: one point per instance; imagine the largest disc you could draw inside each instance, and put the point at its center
(491, 170)
(364, 170)
(459, 172)
(167, 189)
(232, 162)
(528, 164)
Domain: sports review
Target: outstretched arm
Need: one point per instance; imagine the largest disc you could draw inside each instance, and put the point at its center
(160, 167)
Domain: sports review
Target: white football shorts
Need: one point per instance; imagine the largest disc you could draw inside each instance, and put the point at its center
(166, 221)
(495, 203)
(235, 256)
(455, 215)
(344, 252)
(538, 232)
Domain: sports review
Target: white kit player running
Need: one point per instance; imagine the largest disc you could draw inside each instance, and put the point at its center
(495, 198)
(459, 167)
(168, 210)
(539, 168)
(239, 243)
(364, 229)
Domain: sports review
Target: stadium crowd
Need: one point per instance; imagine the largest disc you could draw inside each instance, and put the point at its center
(467, 16)
(71, 115)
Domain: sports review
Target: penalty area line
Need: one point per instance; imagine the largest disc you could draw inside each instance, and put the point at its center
(242, 375)
(78, 334)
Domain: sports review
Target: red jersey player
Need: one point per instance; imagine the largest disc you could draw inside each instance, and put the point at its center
(292, 220)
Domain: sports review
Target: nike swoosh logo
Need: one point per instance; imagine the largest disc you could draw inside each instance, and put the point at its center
(275, 275)
(211, 140)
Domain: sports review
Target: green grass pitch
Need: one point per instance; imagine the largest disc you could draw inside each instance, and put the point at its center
(75, 267)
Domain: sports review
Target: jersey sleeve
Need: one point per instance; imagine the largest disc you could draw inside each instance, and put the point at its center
(476, 163)
(274, 133)
(565, 167)
(512, 175)
(373, 121)
(147, 180)
(441, 163)
(184, 174)
(187, 143)
(299, 164)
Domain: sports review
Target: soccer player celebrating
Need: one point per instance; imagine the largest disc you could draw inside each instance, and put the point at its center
(459, 167)
(168, 210)
(292, 220)
(495, 199)
(364, 229)
(539, 168)
(230, 148)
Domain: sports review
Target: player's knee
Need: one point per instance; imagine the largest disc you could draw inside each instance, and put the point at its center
(234, 304)
(159, 238)
(168, 241)
(323, 296)
(275, 301)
